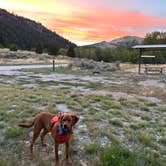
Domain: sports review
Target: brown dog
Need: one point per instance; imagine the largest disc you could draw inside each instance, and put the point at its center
(59, 125)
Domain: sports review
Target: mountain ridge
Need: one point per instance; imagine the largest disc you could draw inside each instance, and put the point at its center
(26, 33)
(122, 42)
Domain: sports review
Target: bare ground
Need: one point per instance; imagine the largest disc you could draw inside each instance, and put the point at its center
(121, 106)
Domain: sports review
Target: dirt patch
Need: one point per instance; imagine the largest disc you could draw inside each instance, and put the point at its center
(155, 83)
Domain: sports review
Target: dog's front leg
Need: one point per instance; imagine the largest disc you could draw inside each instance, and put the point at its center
(56, 145)
(68, 161)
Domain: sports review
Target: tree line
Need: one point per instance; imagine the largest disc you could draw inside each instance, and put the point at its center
(125, 53)
(108, 54)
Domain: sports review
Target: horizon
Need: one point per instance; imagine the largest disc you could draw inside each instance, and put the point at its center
(94, 21)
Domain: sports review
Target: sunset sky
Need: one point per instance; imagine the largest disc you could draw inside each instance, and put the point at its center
(90, 21)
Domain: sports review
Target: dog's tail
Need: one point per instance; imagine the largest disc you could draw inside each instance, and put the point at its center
(25, 125)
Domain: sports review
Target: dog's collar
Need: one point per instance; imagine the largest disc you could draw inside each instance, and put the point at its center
(64, 132)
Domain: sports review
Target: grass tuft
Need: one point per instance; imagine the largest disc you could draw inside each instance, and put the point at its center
(91, 148)
(145, 138)
(13, 133)
(139, 125)
(116, 122)
(116, 156)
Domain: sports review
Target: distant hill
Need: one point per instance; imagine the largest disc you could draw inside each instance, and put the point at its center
(122, 42)
(26, 34)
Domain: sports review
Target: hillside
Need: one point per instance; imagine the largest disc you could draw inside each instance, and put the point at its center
(122, 42)
(26, 34)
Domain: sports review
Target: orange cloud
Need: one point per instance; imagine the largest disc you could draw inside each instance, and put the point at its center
(105, 25)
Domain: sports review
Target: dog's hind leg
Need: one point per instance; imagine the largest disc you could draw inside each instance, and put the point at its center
(43, 134)
(37, 130)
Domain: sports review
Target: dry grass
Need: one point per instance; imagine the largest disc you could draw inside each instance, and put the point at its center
(127, 67)
(32, 58)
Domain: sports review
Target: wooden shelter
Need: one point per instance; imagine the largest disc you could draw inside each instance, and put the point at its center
(143, 48)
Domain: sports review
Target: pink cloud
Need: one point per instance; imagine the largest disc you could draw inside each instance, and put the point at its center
(99, 24)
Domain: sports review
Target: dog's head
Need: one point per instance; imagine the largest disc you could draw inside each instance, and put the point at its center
(68, 121)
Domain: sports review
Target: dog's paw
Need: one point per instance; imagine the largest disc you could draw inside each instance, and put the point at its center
(57, 164)
(68, 162)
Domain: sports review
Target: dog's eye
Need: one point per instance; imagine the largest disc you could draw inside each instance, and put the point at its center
(69, 120)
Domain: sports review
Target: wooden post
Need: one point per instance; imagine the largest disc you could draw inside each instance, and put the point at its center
(53, 67)
(139, 68)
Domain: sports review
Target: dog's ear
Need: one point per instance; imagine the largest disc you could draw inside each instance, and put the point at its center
(74, 119)
(60, 118)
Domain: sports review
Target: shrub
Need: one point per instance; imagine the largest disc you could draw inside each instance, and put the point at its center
(116, 156)
(13, 47)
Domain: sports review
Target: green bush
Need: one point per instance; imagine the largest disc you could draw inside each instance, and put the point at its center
(116, 156)
(13, 47)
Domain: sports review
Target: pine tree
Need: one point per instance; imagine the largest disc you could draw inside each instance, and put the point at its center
(39, 48)
(53, 50)
(70, 51)
(13, 47)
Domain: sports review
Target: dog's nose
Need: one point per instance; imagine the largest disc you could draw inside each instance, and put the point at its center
(65, 126)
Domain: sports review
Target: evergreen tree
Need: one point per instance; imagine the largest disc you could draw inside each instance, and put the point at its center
(2, 43)
(71, 51)
(39, 48)
(13, 47)
(155, 38)
(53, 50)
